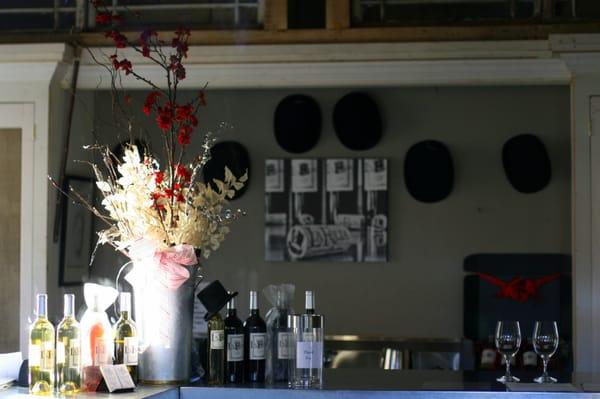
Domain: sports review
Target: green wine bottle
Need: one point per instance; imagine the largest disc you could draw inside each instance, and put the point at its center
(41, 351)
(216, 350)
(126, 340)
(68, 349)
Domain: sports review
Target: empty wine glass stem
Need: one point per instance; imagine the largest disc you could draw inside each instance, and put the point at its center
(507, 361)
(545, 363)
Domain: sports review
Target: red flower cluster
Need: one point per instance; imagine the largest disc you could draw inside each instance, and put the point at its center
(164, 117)
(180, 41)
(183, 173)
(124, 64)
(105, 18)
(119, 39)
(150, 101)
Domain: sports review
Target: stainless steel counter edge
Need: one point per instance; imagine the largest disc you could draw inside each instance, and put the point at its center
(267, 393)
(142, 392)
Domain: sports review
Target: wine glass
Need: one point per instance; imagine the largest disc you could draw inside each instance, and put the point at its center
(508, 342)
(545, 343)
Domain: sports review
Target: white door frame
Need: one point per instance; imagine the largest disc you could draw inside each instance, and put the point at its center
(21, 116)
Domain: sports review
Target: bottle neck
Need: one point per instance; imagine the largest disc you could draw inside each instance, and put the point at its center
(254, 312)
(125, 314)
(309, 302)
(69, 306)
(42, 306)
(231, 312)
(125, 305)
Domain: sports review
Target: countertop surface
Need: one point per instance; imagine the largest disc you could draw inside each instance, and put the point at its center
(373, 383)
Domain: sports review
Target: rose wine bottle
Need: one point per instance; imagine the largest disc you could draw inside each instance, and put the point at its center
(234, 345)
(68, 349)
(255, 336)
(126, 340)
(41, 351)
(216, 350)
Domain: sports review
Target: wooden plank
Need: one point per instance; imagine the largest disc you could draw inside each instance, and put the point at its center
(513, 31)
(275, 15)
(337, 14)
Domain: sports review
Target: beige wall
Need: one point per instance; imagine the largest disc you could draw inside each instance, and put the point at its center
(419, 291)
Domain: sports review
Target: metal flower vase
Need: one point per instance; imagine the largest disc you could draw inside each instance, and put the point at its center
(163, 316)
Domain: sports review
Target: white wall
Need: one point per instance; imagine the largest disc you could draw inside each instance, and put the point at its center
(419, 291)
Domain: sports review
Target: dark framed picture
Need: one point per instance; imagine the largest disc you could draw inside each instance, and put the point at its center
(77, 234)
(326, 210)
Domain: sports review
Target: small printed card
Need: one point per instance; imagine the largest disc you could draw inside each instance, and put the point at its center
(117, 378)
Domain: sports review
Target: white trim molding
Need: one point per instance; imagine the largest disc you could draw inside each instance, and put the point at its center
(26, 72)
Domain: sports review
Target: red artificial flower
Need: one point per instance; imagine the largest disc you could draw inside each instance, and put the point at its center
(184, 135)
(168, 193)
(150, 101)
(183, 112)
(180, 197)
(164, 119)
(119, 39)
(124, 64)
(159, 177)
(103, 18)
(183, 173)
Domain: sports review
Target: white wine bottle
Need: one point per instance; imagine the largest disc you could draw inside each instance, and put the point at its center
(68, 349)
(216, 350)
(41, 351)
(126, 340)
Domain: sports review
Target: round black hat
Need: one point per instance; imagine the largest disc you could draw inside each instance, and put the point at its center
(526, 163)
(214, 297)
(429, 171)
(229, 154)
(357, 121)
(297, 123)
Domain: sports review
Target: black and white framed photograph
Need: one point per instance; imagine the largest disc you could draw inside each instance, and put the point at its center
(326, 210)
(77, 234)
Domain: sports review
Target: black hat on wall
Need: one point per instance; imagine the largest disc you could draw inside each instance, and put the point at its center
(229, 154)
(214, 297)
(357, 121)
(429, 171)
(526, 163)
(297, 123)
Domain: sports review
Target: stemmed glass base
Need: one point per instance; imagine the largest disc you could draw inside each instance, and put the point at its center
(507, 378)
(545, 379)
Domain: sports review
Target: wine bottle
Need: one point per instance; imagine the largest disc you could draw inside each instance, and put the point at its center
(216, 350)
(281, 350)
(234, 345)
(41, 351)
(255, 337)
(125, 338)
(309, 302)
(68, 349)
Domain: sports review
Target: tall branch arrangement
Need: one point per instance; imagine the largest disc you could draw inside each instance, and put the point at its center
(167, 205)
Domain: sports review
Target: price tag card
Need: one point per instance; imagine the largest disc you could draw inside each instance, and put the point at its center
(116, 377)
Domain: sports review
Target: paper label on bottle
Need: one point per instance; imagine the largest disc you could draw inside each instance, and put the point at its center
(309, 355)
(235, 347)
(74, 353)
(529, 359)
(35, 354)
(257, 346)
(60, 352)
(308, 336)
(47, 356)
(101, 353)
(130, 351)
(217, 339)
(284, 340)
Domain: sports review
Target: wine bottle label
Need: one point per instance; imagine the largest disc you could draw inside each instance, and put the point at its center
(101, 355)
(130, 351)
(284, 345)
(60, 352)
(217, 339)
(235, 347)
(74, 353)
(35, 355)
(308, 336)
(257, 346)
(529, 359)
(488, 357)
(309, 355)
(47, 356)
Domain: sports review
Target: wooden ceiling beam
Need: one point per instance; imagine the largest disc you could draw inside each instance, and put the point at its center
(349, 35)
